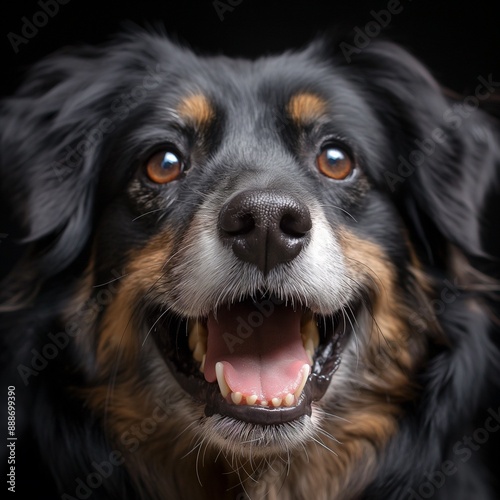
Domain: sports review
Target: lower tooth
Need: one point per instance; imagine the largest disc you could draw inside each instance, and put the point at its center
(289, 399)
(264, 403)
(202, 366)
(276, 402)
(251, 400)
(236, 397)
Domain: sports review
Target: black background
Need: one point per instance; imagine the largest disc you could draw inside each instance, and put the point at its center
(459, 42)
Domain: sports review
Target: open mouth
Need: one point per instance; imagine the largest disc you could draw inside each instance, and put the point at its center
(259, 360)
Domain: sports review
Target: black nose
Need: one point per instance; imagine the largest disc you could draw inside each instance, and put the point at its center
(265, 227)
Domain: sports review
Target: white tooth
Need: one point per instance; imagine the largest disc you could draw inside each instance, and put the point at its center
(236, 397)
(202, 366)
(263, 403)
(219, 372)
(289, 399)
(199, 351)
(309, 346)
(310, 356)
(276, 402)
(197, 333)
(306, 369)
(310, 331)
(251, 400)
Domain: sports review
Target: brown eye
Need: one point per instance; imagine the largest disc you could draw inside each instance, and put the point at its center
(334, 163)
(164, 167)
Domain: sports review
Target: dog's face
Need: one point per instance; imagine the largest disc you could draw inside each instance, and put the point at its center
(246, 223)
(257, 251)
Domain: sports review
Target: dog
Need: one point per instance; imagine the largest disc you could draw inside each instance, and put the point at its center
(234, 279)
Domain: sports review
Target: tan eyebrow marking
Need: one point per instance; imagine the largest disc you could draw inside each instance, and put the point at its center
(196, 109)
(305, 107)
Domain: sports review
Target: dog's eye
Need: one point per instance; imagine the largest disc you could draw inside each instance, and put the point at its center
(164, 167)
(334, 163)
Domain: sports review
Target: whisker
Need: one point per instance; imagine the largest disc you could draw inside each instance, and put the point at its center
(328, 435)
(111, 281)
(339, 208)
(153, 325)
(147, 213)
(324, 446)
(197, 462)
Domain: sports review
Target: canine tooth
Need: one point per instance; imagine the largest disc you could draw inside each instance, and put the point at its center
(310, 357)
(306, 369)
(219, 372)
(199, 351)
(289, 399)
(251, 400)
(197, 333)
(236, 397)
(309, 346)
(309, 331)
(276, 402)
(202, 366)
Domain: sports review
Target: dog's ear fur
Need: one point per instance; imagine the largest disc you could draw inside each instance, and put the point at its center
(442, 169)
(444, 162)
(45, 170)
(51, 137)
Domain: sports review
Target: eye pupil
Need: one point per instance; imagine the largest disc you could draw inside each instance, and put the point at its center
(334, 163)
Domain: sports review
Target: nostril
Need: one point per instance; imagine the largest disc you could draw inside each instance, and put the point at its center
(296, 224)
(235, 224)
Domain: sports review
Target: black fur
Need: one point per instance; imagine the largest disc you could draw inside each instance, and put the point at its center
(54, 206)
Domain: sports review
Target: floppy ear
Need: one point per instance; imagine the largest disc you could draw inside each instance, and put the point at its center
(47, 175)
(442, 171)
(51, 142)
(444, 163)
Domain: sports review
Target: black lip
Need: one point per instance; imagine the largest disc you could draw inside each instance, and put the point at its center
(171, 339)
(261, 415)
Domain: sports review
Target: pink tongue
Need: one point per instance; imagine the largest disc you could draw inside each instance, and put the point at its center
(260, 347)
